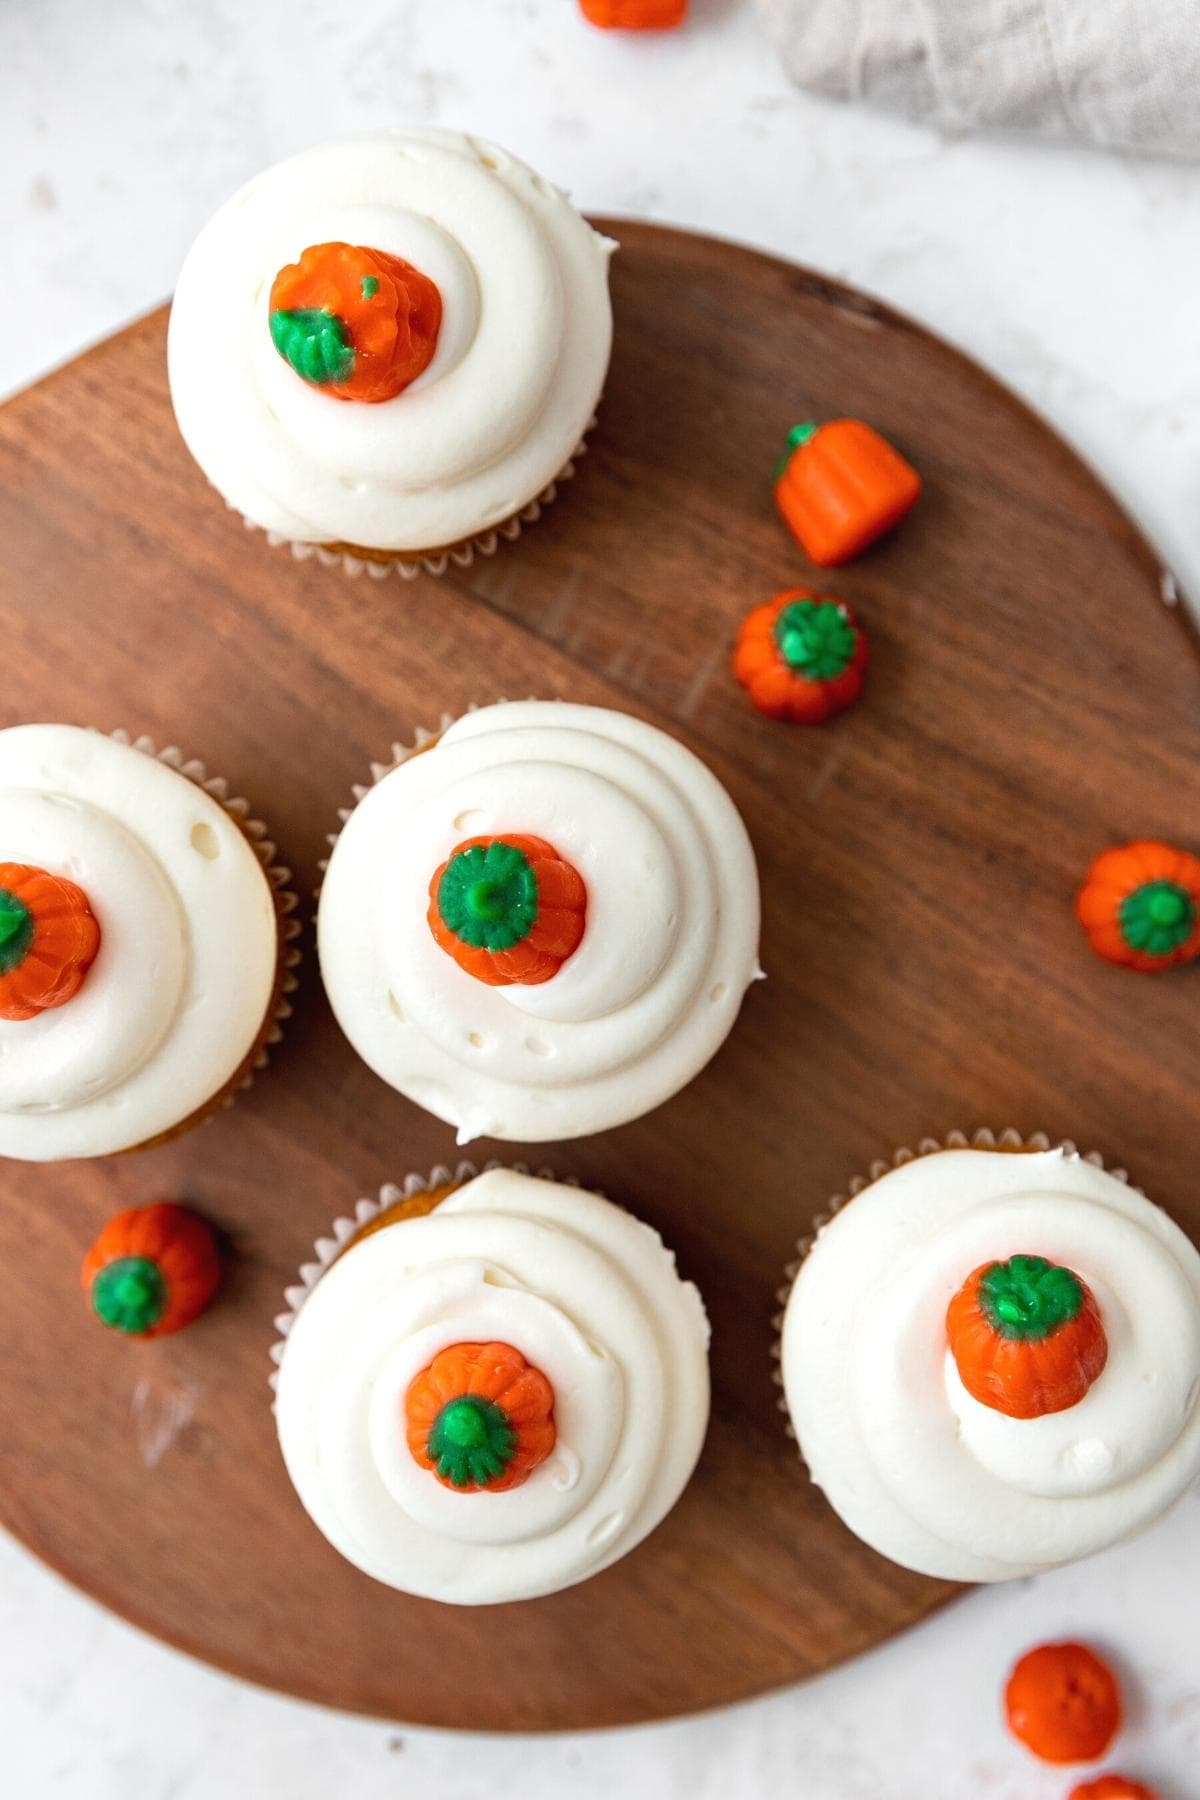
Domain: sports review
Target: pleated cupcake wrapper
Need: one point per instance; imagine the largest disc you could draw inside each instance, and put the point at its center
(459, 556)
(327, 1249)
(279, 876)
(983, 1139)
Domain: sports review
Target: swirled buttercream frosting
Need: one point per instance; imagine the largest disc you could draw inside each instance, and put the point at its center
(139, 945)
(496, 1400)
(396, 342)
(544, 925)
(992, 1362)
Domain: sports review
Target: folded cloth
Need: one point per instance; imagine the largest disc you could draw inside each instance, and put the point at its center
(1120, 72)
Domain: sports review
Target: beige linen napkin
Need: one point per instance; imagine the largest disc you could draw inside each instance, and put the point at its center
(1120, 72)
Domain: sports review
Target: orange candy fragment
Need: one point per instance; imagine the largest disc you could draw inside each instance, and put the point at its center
(1063, 1703)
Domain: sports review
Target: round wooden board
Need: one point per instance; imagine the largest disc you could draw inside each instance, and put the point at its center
(1030, 700)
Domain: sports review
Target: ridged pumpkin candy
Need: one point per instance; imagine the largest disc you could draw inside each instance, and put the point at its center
(360, 324)
(510, 910)
(801, 657)
(1140, 905)
(152, 1270)
(480, 1418)
(49, 939)
(1026, 1337)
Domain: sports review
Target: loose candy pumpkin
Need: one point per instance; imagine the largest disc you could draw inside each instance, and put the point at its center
(1140, 905)
(634, 15)
(1112, 1787)
(840, 487)
(1063, 1703)
(152, 1270)
(801, 657)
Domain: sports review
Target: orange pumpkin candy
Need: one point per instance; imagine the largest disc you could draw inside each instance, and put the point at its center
(480, 1418)
(1112, 1787)
(840, 487)
(634, 15)
(49, 939)
(510, 910)
(1063, 1703)
(1026, 1337)
(801, 657)
(1140, 905)
(152, 1270)
(360, 324)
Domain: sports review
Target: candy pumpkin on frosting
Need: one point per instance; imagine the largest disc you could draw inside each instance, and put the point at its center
(360, 324)
(480, 1418)
(152, 1270)
(1026, 1337)
(49, 938)
(509, 910)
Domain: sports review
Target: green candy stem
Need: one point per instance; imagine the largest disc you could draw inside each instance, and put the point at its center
(314, 342)
(370, 286)
(488, 896)
(815, 639)
(471, 1441)
(798, 435)
(16, 931)
(1029, 1298)
(130, 1294)
(1157, 917)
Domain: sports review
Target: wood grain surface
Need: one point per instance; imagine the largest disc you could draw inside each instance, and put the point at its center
(1030, 699)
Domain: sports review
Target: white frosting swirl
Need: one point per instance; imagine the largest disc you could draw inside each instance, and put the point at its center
(188, 945)
(588, 1295)
(669, 948)
(916, 1466)
(520, 360)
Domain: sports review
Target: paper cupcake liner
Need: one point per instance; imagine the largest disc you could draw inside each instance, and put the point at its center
(327, 1249)
(983, 1139)
(455, 556)
(279, 877)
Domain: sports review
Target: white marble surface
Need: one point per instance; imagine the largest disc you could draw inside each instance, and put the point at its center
(1072, 274)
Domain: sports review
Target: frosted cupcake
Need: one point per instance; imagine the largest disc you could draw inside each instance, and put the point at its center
(992, 1361)
(543, 924)
(492, 1388)
(388, 350)
(144, 943)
